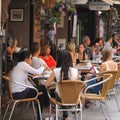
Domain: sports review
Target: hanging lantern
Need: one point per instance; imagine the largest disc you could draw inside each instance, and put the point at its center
(48, 3)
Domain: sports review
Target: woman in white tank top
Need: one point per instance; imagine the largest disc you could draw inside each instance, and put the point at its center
(108, 63)
(63, 71)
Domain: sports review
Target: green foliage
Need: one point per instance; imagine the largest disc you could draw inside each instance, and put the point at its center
(61, 9)
(112, 14)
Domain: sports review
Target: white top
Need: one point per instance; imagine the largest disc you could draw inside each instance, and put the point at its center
(20, 75)
(73, 75)
(37, 62)
(108, 45)
(108, 68)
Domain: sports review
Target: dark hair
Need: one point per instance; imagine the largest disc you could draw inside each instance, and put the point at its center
(108, 38)
(65, 62)
(114, 34)
(24, 54)
(35, 47)
(84, 50)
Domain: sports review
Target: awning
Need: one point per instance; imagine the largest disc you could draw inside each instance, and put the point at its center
(116, 2)
(108, 2)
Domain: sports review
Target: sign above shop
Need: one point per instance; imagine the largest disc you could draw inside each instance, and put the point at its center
(116, 2)
(99, 6)
(110, 2)
(79, 1)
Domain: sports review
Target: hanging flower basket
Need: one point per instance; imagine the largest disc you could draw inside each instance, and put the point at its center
(48, 3)
(61, 9)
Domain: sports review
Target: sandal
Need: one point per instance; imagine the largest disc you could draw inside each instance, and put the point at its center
(87, 104)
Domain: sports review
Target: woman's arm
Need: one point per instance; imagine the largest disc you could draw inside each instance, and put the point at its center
(29, 69)
(102, 67)
(10, 50)
(50, 79)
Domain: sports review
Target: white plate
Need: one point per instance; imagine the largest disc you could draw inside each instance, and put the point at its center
(46, 75)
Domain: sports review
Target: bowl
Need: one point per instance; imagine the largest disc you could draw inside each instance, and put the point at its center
(46, 72)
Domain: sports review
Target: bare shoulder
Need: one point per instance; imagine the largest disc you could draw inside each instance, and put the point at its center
(103, 64)
(102, 67)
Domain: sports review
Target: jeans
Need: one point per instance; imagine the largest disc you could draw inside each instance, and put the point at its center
(30, 93)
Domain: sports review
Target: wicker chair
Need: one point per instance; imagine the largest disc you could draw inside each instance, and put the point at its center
(111, 90)
(102, 96)
(70, 92)
(15, 101)
(117, 82)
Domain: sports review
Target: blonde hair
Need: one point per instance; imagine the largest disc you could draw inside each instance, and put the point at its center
(71, 46)
(106, 54)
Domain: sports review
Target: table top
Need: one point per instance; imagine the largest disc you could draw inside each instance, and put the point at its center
(79, 67)
(87, 68)
(41, 76)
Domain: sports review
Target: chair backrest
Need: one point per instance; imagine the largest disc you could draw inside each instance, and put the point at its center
(7, 83)
(105, 87)
(114, 77)
(118, 75)
(70, 91)
(106, 82)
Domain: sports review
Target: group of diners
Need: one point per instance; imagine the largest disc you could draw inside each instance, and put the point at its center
(86, 51)
(39, 60)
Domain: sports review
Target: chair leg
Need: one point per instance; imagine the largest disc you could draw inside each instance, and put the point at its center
(50, 108)
(103, 104)
(34, 110)
(28, 104)
(117, 102)
(109, 96)
(39, 109)
(6, 111)
(12, 110)
(76, 112)
(81, 112)
(56, 112)
(21, 108)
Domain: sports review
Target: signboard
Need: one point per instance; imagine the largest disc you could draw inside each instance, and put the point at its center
(79, 1)
(110, 2)
(116, 2)
(99, 6)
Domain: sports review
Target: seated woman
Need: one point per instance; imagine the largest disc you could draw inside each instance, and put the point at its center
(45, 55)
(63, 71)
(71, 48)
(107, 65)
(81, 53)
(36, 61)
(20, 75)
(10, 49)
